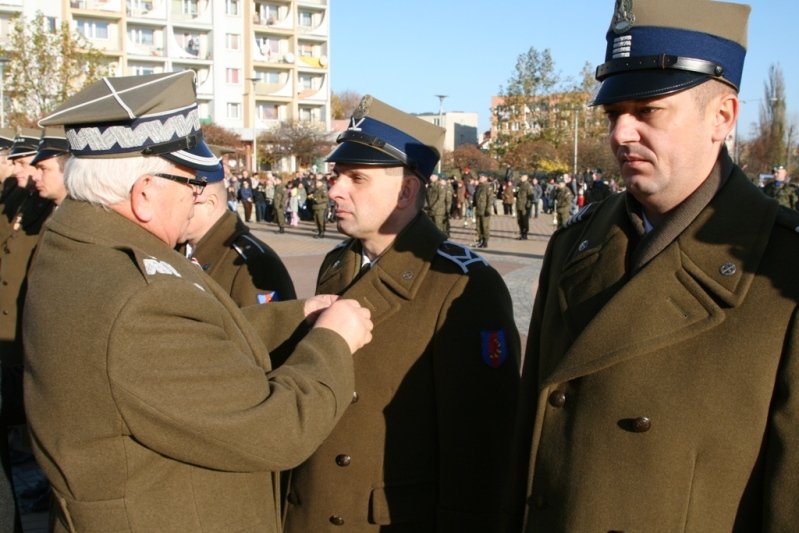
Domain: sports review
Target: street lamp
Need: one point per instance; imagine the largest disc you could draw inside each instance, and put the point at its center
(576, 129)
(3, 61)
(254, 130)
(441, 122)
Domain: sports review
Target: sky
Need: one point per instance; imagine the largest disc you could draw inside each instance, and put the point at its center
(405, 52)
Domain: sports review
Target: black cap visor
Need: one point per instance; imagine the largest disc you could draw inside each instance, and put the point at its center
(645, 84)
(361, 154)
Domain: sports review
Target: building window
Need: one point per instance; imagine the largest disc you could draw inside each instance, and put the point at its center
(267, 111)
(142, 70)
(308, 81)
(143, 36)
(305, 49)
(266, 14)
(232, 7)
(232, 75)
(92, 29)
(190, 42)
(50, 24)
(232, 41)
(190, 7)
(305, 19)
(233, 110)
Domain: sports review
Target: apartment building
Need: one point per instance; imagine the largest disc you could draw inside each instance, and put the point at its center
(258, 63)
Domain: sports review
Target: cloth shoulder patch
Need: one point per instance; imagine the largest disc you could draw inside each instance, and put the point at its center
(266, 297)
(461, 255)
(788, 218)
(494, 348)
(583, 214)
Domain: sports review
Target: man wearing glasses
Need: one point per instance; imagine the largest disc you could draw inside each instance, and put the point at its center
(152, 402)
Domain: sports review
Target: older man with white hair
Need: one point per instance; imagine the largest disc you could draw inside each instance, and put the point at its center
(152, 402)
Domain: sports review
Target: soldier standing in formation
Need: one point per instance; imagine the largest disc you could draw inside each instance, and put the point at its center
(483, 207)
(661, 376)
(443, 361)
(319, 199)
(279, 204)
(781, 189)
(564, 199)
(525, 197)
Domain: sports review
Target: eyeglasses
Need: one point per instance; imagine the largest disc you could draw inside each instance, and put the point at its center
(197, 184)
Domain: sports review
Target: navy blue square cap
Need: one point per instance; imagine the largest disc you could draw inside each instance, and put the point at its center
(381, 135)
(155, 114)
(26, 143)
(657, 47)
(52, 143)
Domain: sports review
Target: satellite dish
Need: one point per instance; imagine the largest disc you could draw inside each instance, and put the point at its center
(323, 61)
(288, 58)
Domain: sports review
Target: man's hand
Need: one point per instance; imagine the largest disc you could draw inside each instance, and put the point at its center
(348, 319)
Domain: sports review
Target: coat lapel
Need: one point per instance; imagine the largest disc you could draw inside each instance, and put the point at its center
(393, 279)
(681, 293)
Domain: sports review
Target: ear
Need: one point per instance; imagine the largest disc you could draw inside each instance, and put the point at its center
(408, 191)
(141, 198)
(725, 113)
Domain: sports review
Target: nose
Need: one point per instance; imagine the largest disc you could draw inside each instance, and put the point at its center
(624, 129)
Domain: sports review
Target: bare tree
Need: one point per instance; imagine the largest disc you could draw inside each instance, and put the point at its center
(343, 104)
(46, 66)
(303, 141)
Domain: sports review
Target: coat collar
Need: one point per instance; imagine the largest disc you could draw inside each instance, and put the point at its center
(396, 275)
(713, 260)
(217, 241)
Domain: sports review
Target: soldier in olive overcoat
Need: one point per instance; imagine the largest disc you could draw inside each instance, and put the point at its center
(426, 445)
(151, 398)
(662, 365)
(525, 196)
(218, 241)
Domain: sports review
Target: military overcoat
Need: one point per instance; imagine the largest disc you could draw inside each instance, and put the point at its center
(426, 444)
(246, 267)
(27, 212)
(667, 400)
(149, 395)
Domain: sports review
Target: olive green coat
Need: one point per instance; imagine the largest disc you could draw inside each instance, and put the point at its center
(245, 267)
(27, 212)
(426, 445)
(667, 400)
(149, 395)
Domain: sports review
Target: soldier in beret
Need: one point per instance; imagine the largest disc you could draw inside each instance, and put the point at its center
(525, 197)
(661, 379)
(426, 444)
(218, 241)
(151, 399)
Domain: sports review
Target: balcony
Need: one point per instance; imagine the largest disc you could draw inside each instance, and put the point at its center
(197, 11)
(110, 6)
(146, 9)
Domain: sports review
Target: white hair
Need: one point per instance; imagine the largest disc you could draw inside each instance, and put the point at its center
(108, 181)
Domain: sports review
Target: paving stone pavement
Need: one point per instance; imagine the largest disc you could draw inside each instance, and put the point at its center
(519, 263)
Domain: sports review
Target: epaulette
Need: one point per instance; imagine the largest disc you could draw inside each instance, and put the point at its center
(582, 215)
(462, 256)
(244, 243)
(788, 218)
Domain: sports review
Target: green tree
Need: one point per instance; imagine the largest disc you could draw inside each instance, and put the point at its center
(45, 67)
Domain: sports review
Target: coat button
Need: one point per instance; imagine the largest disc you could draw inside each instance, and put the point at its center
(642, 424)
(336, 520)
(557, 399)
(343, 460)
(355, 397)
